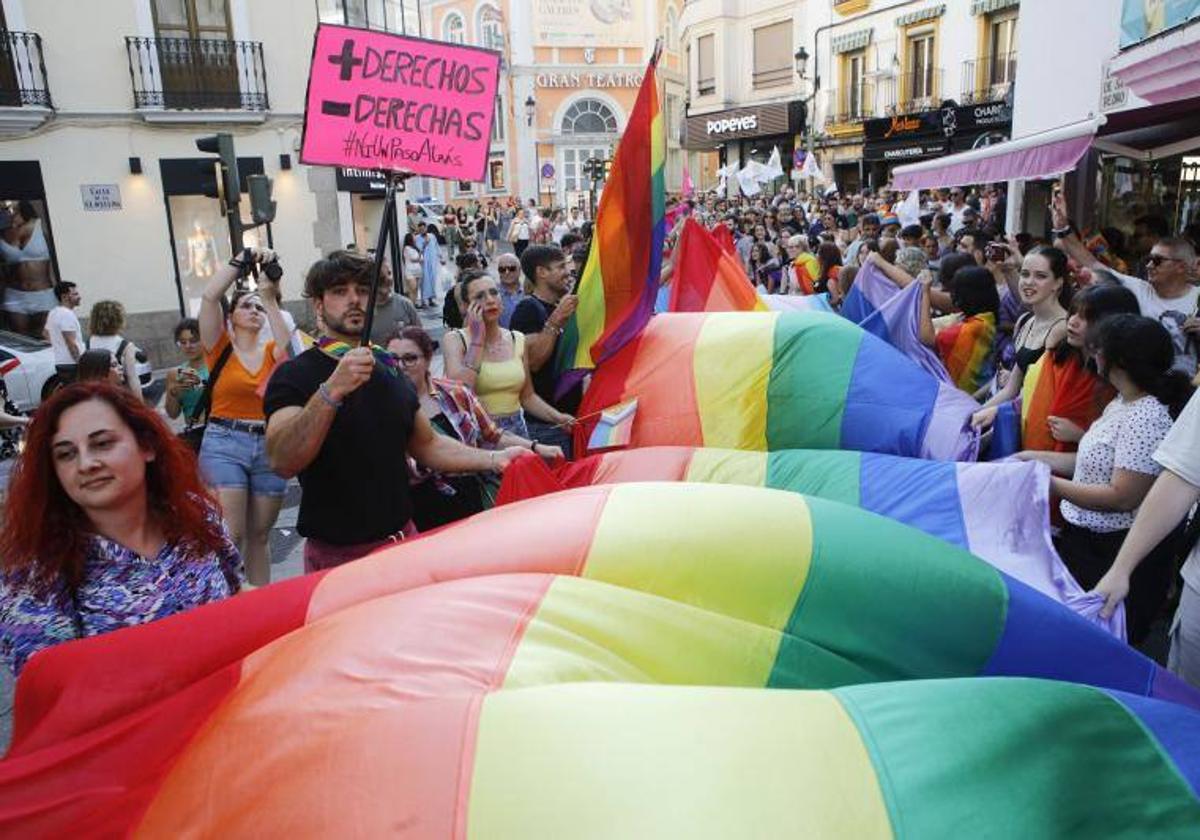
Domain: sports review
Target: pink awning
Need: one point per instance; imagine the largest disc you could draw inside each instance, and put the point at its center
(1046, 154)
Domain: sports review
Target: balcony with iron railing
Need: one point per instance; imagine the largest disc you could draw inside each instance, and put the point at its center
(988, 79)
(907, 93)
(23, 71)
(195, 74)
(850, 106)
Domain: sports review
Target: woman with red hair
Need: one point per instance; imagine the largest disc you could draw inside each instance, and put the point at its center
(107, 525)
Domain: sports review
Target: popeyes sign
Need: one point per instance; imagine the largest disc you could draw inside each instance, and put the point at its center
(724, 126)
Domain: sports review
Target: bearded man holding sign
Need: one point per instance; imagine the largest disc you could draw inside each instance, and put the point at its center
(344, 419)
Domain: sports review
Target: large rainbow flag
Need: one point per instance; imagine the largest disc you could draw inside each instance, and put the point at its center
(620, 280)
(999, 512)
(706, 278)
(567, 666)
(778, 380)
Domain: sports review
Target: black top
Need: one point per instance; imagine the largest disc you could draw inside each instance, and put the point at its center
(530, 317)
(356, 489)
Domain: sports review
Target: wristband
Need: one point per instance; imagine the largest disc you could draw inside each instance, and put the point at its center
(533, 446)
(557, 330)
(327, 397)
(1065, 231)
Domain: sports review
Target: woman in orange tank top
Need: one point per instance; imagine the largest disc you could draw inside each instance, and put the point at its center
(233, 455)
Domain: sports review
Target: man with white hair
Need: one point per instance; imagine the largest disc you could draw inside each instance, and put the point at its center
(803, 268)
(508, 267)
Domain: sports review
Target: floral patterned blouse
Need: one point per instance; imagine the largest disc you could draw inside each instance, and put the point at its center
(120, 589)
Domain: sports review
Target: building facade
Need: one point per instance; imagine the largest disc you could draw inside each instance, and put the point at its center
(745, 98)
(99, 114)
(571, 73)
(903, 82)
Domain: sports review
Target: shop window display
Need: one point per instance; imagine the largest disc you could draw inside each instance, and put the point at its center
(27, 273)
(202, 242)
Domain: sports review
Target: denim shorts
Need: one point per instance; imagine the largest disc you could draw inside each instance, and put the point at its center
(232, 459)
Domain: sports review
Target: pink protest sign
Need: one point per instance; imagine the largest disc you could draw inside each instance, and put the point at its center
(381, 101)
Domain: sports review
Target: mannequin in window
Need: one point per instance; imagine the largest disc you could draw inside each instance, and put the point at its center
(201, 252)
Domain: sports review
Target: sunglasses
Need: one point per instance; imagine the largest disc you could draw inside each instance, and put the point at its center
(507, 269)
(1158, 259)
(409, 359)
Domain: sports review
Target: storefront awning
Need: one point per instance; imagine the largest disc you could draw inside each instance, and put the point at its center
(1046, 154)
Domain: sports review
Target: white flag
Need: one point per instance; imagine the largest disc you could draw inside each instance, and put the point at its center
(749, 177)
(774, 168)
(811, 168)
(909, 210)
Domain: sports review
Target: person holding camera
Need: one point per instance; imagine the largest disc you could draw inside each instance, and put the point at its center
(233, 454)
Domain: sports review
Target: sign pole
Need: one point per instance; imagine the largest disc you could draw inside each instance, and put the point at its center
(381, 243)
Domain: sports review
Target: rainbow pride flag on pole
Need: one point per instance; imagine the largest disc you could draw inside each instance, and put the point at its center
(621, 278)
(608, 661)
(998, 512)
(779, 380)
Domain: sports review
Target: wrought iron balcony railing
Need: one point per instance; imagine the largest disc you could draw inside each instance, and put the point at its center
(850, 105)
(989, 78)
(23, 71)
(914, 91)
(197, 74)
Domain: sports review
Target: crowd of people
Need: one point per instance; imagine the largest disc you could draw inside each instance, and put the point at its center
(1090, 341)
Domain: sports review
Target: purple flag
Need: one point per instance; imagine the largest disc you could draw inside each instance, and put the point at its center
(882, 308)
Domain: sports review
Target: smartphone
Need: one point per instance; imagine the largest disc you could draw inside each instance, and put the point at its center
(996, 252)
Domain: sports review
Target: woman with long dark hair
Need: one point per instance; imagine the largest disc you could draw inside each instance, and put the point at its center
(1061, 395)
(1103, 484)
(107, 525)
(1045, 290)
(829, 259)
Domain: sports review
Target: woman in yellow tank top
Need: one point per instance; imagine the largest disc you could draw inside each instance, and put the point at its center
(491, 360)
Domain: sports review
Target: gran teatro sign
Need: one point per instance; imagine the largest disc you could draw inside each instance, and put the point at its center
(588, 79)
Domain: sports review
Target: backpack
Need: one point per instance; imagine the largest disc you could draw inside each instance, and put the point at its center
(145, 373)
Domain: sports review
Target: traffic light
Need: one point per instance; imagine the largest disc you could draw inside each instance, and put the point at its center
(219, 178)
(262, 206)
(606, 168)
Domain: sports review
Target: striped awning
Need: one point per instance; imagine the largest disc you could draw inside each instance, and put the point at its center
(850, 41)
(921, 14)
(986, 7)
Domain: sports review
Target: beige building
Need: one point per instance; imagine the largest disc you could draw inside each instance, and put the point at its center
(744, 97)
(570, 76)
(100, 107)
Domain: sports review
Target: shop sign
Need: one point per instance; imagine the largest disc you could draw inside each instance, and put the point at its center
(352, 180)
(902, 152)
(950, 120)
(101, 197)
(588, 80)
(705, 131)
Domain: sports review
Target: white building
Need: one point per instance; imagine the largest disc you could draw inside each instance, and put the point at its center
(100, 107)
(900, 82)
(744, 96)
(1115, 115)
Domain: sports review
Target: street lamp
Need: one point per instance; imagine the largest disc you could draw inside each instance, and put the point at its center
(530, 111)
(801, 59)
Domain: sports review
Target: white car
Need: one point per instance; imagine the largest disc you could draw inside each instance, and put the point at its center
(27, 365)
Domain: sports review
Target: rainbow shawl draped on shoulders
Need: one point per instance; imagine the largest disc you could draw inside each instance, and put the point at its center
(620, 281)
(966, 349)
(778, 380)
(535, 670)
(1059, 389)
